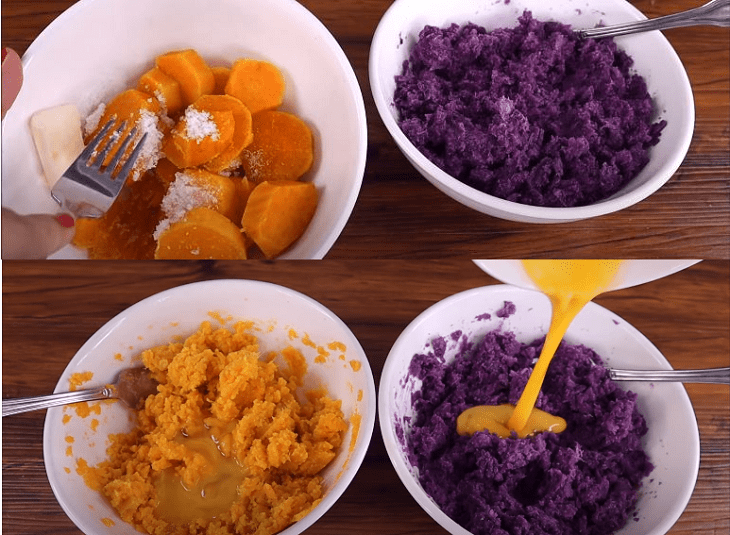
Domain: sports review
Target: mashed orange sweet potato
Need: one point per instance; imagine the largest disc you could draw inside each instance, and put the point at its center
(226, 445)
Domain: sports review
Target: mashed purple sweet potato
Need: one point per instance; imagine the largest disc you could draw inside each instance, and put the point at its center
(532, 114)
(581, 481)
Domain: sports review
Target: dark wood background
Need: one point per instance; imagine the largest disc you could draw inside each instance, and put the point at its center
(688, 217)
(51, 308)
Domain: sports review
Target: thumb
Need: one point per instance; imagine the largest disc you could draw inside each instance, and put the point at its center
(12, 77)
(34, 236)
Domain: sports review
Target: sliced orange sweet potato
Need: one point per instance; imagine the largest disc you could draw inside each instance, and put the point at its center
(258, 84)
(198, 137)
(166, 171)
(125, 231)
(220, 74)
(164, 88)
(282, 147)
(198, 187)
(127, 106)
(191, 72)
(202, 234)
(244, 187)
(277, 214)
(242, 134)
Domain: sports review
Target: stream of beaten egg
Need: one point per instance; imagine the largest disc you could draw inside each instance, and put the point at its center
(570, 285)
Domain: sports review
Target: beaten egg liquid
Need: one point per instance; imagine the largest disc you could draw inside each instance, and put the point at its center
(570, 285)
(213, 493)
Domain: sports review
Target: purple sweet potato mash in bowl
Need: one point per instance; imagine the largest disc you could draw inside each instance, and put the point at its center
(532, 114)
(503, 108)
(619, 467)
(584, 480)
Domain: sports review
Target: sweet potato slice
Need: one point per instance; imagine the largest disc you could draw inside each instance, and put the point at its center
(191, 72)
(220, 74)
(129, 106)
(258, 84)
(244, 187)
(125, 231)
(164, 88)
(202, 234)
(195, 187)
(282, 147)
(242, 133)
(198, 137)
(277, 214)
(166, 171)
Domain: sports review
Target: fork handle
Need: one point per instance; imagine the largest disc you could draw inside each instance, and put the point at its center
(708, 375)
(713, 13)
(16, 406)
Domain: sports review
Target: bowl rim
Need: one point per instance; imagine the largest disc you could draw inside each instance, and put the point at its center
(391, 442)
(355, 457)
(502, 208)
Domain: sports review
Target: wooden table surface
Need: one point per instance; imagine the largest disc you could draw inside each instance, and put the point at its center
(51, 308)
(688, 217)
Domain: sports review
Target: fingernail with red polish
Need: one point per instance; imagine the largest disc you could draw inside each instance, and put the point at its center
(65, 220)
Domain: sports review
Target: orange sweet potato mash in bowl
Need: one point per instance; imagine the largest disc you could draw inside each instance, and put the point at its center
(226, 445)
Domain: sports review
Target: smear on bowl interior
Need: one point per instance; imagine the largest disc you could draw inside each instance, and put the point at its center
(582, 480)
(226, 445)
(532, 114)
(221, 173)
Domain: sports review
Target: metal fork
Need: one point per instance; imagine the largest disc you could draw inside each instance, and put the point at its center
(714, 13)
(87, 190)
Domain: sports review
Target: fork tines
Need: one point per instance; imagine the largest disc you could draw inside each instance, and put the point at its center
(98, 152)
(88, 187)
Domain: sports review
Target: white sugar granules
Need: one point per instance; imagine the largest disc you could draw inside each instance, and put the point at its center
(92, 120)
(148, 123)
(182, 196)
(160, 96)
(200, 124)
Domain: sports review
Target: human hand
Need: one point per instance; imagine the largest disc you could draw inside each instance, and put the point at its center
(32, 236)
(35, 236)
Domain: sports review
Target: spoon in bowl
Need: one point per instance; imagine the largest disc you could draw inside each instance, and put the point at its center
(708, 375)
(131, 386)
(713, 13)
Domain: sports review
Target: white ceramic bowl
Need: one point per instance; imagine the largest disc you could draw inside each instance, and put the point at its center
(98, 47)
(654, 57)
(672, 441)
(276, 311)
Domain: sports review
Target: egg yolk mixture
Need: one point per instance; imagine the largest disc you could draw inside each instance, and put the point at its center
(570, 285)
(225, 446)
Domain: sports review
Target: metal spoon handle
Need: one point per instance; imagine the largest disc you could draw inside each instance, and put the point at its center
(16, 406)
(714, 13)
(709, 375)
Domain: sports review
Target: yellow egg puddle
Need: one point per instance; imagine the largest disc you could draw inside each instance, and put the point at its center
(570, 285)
(210, 495)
